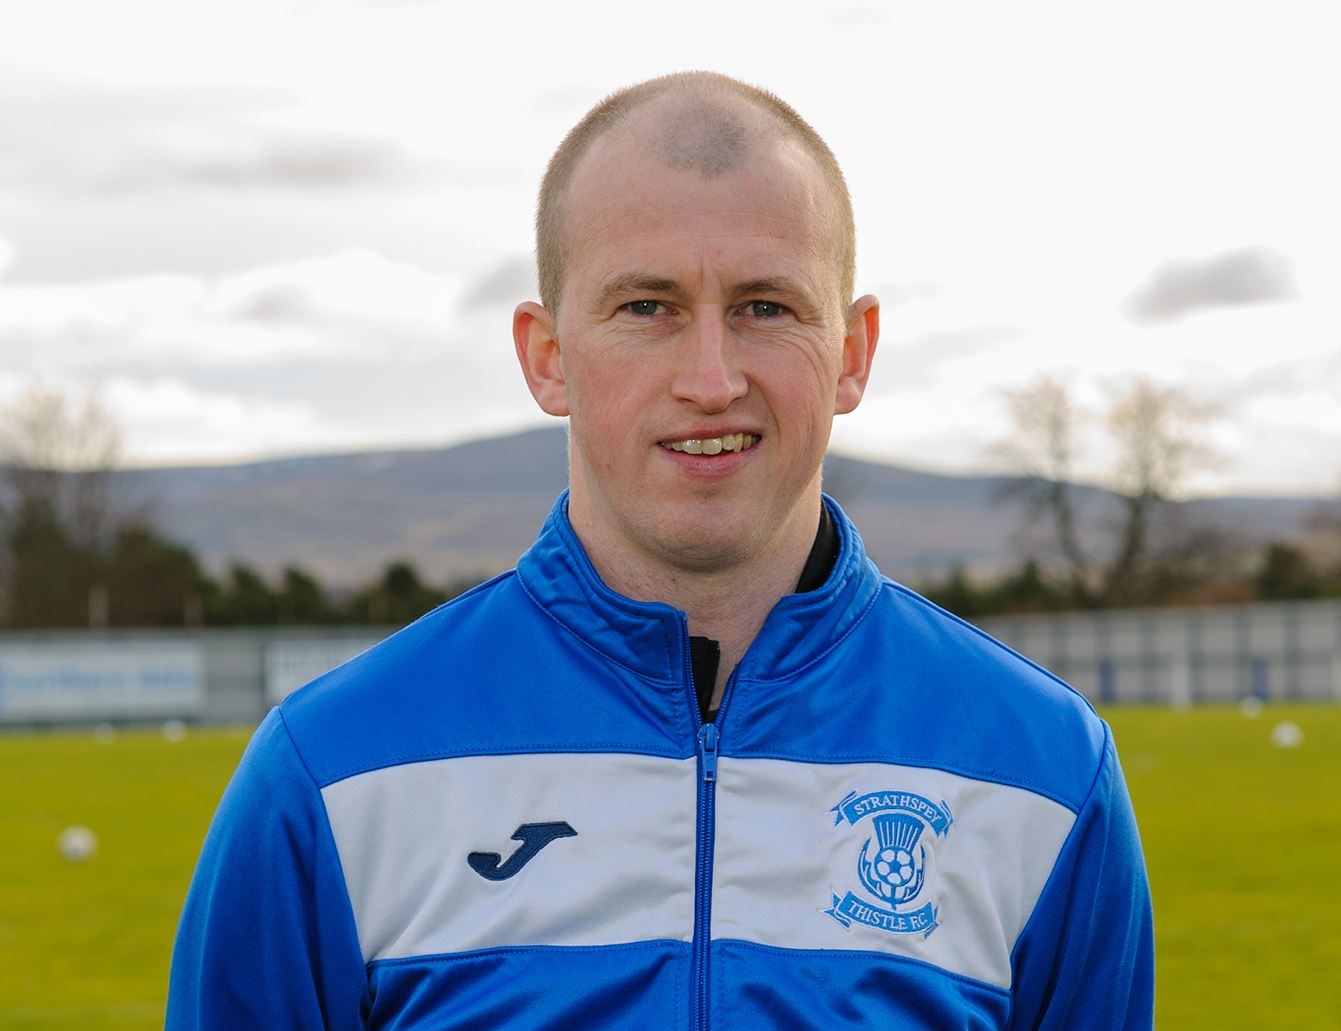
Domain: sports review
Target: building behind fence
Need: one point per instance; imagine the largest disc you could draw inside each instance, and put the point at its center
(1284, 651)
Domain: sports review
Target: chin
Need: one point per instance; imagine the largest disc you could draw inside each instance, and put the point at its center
(701, 552)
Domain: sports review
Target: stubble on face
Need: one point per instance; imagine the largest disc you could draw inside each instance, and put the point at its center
(732, 207)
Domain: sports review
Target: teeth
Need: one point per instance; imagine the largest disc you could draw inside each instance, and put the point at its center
(713, 445)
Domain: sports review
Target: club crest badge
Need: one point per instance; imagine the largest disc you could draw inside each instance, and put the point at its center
(891, 866)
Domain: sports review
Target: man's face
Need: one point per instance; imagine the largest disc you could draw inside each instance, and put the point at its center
(700, 350)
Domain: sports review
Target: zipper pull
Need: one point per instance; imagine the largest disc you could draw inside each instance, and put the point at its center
(707, 749)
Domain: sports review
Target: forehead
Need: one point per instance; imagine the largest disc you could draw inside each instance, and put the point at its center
(626, 203)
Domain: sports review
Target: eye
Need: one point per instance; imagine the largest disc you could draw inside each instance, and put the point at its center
(765, 309)
(643, 309)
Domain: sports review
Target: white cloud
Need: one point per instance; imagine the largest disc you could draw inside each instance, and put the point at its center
(167, 419)
(107, 306)
(936, 399)
(1248, 275)
(1317, 411)
(345, 306)
(1033, 208)
(356, 284)
(341, 351)
(86, 135)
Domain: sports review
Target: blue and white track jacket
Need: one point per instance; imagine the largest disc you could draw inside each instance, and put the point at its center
(509, 815)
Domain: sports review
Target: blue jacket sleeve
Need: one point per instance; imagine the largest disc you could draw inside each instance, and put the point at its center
(1086, 957)
(267, 937)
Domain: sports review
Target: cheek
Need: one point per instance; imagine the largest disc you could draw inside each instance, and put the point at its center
(605, 415)
(804, 387)
(591, 374)
(619, 380)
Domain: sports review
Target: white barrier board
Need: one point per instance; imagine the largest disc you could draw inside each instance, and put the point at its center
(100, 679)
(291, 664)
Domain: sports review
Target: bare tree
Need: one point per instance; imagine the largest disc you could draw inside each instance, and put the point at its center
(1322, 537)
(1135, 543)
(1159, 435)
(1041, 449)
(61, 458)
(56, 511)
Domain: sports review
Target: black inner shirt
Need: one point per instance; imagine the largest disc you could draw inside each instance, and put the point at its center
(705, 654)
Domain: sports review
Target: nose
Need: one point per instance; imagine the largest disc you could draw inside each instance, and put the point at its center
(708, 372)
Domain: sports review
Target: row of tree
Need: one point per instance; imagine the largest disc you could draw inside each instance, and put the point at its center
(72, 556)
(1279, 572)
(138, 578)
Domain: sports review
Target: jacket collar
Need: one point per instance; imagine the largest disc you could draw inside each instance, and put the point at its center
(652, 639)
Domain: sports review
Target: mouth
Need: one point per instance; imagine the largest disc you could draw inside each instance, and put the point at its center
(712, 445)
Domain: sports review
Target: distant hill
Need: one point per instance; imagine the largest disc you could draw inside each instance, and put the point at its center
(472, 508)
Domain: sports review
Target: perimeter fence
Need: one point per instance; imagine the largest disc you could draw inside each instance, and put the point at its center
(1284, 651)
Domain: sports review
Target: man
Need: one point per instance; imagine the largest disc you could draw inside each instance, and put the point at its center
(693, 763)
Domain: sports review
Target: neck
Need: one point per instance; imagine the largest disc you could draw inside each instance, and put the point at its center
(727, 603)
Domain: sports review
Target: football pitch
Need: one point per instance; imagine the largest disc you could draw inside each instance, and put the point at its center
(1243, 840)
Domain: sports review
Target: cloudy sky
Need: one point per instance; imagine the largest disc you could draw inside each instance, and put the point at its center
(260, 227)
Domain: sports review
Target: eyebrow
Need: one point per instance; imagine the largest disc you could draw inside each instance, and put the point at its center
(635, 283)
(645, 283)
(771, 285)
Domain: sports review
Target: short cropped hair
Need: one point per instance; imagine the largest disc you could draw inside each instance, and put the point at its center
(713, 139)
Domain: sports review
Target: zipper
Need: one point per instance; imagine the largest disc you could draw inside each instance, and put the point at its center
(707, 783)
(709, 736)
(707, 750)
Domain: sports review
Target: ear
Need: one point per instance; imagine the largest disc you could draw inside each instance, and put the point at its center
(863, 330)
(538, 352)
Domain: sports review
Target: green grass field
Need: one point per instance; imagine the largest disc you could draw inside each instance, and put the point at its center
(1243, 841)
